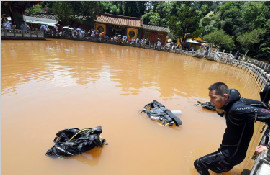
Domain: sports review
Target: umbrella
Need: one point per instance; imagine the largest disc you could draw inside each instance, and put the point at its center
(42, 26)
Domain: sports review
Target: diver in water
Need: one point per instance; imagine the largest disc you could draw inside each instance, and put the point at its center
(240, 115)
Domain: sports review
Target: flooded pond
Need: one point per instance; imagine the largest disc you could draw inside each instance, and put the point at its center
(51, 85)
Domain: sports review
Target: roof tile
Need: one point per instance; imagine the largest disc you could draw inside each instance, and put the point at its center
(119, 21)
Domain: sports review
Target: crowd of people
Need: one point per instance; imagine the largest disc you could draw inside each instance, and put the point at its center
(6, 24)
(92, 34)
(59, 31)
(78, 33)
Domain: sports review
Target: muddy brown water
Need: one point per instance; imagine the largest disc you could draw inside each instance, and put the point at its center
(51, 85)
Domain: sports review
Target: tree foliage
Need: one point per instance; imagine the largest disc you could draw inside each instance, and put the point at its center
(221, 40)
(184, 19)
(230, 17)
(157, 13)
(35, 9)
(209, 22)
(127, 8)
(152, 18)
(247, 23)
(80, 12)
(250, 39)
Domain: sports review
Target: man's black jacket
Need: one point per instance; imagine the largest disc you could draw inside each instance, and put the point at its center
(240, 115)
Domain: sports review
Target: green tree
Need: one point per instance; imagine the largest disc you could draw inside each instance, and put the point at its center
(157, 13)
(255, 29)
(35, 9)
(209, 22)
(89, 11)
(230, 17)
(184, 20)
(264, 47)
(133, 8)
(64, 11)
(106, 6)
(112, 7)
(249, 39)
(221, 40)
(47, 5)
(127, 8)
(205, 7)
(152, 18)
(81, 12)
(253, 15)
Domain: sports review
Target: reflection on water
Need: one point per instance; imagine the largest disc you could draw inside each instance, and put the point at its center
(90, 158)
(70, 63)
(51, 85)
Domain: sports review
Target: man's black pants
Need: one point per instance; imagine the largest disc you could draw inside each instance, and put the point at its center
(215, 162)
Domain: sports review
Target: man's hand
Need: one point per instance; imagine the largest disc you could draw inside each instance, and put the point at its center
(260, 148)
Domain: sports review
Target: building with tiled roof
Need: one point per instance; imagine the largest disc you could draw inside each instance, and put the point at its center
(131, 27)
(113, 25)
(153, 33)
(156, 28)
(119, 20)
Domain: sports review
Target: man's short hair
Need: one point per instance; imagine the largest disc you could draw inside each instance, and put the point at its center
(220, 88)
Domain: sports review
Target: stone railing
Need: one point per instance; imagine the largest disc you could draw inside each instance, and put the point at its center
(260, 70)
(262, 163)
(21, 34)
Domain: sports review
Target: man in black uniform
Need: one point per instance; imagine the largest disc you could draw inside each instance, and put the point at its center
(240, 115)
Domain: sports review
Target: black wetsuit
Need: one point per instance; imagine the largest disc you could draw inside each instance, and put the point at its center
(240, 115)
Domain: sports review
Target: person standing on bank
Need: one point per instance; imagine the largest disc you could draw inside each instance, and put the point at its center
(240, 115)
(237, 55)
